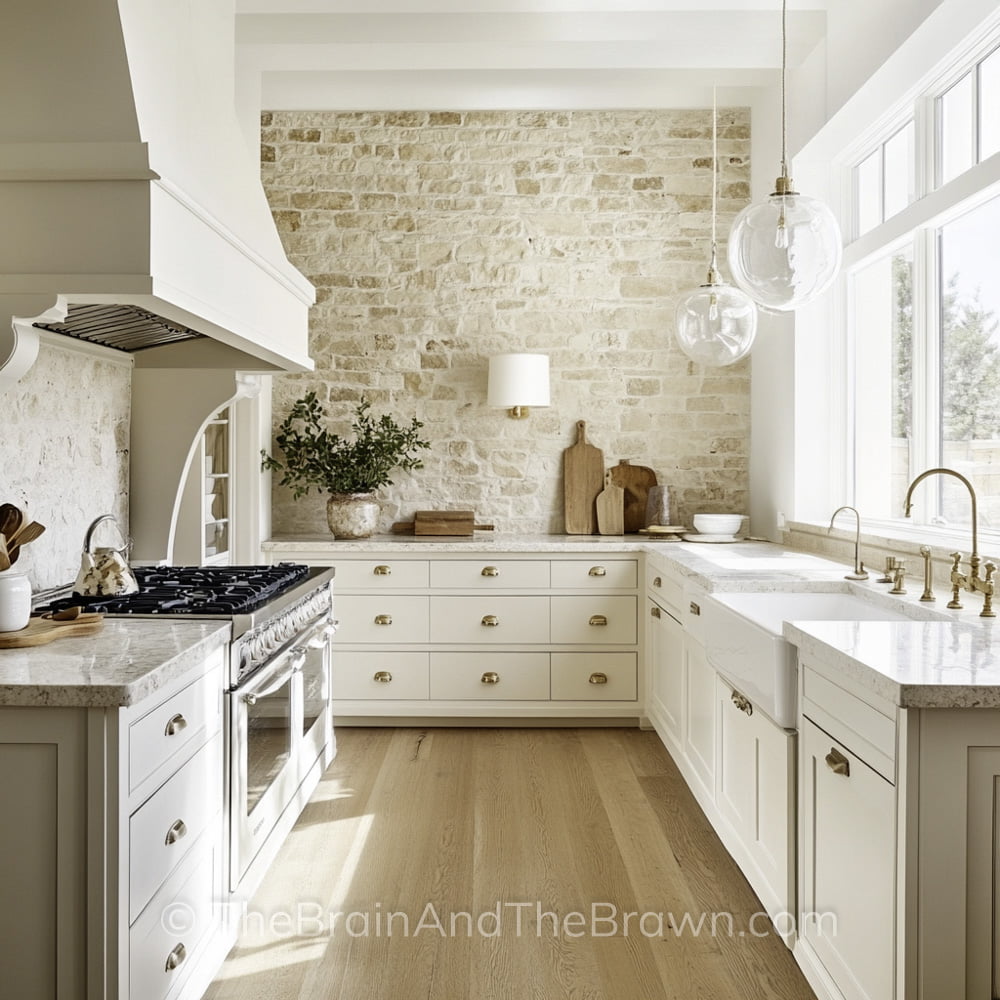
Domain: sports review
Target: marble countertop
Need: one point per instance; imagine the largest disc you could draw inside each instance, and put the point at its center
(124, 662)
(494, 541)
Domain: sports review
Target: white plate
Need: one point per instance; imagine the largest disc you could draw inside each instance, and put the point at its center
(711, 538)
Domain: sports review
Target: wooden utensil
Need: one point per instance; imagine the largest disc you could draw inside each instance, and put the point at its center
(11, 519)
(28, 533)
(635, 480)
(610, 505)
(583, 479)
(4, 557)
(42, 630)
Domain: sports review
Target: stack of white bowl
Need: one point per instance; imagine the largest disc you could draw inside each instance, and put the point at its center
(721, 527)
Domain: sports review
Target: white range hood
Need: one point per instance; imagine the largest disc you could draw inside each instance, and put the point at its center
(128, 195)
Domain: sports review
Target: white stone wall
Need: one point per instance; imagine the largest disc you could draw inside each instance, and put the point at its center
(64, 455)
(437, 239)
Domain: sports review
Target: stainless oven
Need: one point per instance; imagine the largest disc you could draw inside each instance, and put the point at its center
(280, 725)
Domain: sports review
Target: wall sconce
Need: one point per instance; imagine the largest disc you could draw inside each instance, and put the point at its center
(517, 381)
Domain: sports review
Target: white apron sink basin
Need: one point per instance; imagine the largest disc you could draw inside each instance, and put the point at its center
(743, 639)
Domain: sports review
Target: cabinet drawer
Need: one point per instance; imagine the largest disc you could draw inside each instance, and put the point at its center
(389, 676)
(381, 574)
(490, 676)
(593, 677)
(163, 830)
(594, 620)
(599, 574)
(163, 942)
(490, 574)
(495, 620)
(664, 588)
(383, 619)
(171, 732)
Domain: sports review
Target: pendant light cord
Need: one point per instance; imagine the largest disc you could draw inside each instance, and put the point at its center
(715, 179)
(784, 69)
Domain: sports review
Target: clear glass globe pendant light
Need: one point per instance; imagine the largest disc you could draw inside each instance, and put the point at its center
(715, 323)
(785, 252)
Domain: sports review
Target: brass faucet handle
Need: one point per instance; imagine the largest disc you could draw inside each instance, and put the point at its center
(987, 587)
(928, 594)
(957, 581)
(990, 570)
(897, 578)
(890, 565)
(956, 561)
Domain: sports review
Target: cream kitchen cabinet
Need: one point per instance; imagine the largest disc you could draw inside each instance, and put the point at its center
(484, 633)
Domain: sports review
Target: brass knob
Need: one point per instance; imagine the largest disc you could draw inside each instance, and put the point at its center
(175, 724)
(838, 763)
(598, 620)
(490, 571)
(382, 570)
(694, 608)
(598, 678)
(176, 956)
(383, 619)
(490, 677)
(490, 620)
(382, 677)
(598, 571)
(741, 702)
(654, 611)
(657, 582)
(177, 830)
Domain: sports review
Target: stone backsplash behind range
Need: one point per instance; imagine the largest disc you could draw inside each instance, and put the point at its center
(437, 239)
(64, 454)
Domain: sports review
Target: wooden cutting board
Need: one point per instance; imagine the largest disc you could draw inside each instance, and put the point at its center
(42, 630)
(635, 480)
(610, 506)
(583, 479)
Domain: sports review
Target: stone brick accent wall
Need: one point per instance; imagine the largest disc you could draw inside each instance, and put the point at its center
(437, 239)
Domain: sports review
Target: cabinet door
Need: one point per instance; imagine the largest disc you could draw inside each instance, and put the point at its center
(666, 659)
(699, 714)
(847, 866)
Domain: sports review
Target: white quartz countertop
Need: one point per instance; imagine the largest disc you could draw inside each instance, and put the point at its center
(121, 664)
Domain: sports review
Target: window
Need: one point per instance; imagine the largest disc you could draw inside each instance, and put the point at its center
(968, 119)
(883, 181)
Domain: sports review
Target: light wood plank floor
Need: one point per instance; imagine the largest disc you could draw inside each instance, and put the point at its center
(411, 830)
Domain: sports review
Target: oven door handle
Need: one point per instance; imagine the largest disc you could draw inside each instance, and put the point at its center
(298, 659)
(320, 637)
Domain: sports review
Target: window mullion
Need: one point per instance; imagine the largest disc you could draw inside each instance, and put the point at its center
(925, 452)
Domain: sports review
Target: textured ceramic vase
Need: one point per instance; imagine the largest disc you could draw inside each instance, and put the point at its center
(15, 601)
(353, 515)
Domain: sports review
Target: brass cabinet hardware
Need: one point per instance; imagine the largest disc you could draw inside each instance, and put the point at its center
(177, 830)
(838, 763)
(490, 677)
(654, 611)
(382, 570)
(657, 582)
(383, 619)
(176, 956)
(695, 609)
(490, 571)
(490, 620)
(175, 724)
(741, 702)
(598, 620)
(597, 571)
(382, 677)
(598, 678)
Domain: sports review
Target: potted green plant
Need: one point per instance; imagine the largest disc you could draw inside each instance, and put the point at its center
(350, 470)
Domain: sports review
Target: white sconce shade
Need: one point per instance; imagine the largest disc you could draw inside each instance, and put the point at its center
(517, 381)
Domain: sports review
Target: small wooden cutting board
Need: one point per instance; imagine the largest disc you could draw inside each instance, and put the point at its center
(42, 630)
(635, 480)
(610, 506)
(583, 478)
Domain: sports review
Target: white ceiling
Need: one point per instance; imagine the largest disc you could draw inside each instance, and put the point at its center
(364, 54)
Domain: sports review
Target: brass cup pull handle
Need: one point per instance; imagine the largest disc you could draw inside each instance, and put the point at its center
(598, 620)
(382, 677)
(490, 571)
(838, 763)
(178, 829)
(657, 582)
(383, 619)
(742, 702)
(491, 621)
(382, 571)
(695, 609)
(174, 725)
(654, 611)
(490, 677)
(176, 956)
(598, 678)
(597, 571)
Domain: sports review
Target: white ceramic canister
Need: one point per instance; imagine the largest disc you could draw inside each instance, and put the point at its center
(15, 601)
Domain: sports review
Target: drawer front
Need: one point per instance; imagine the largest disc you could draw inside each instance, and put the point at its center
(381, 574)
(594, 677)
(477, 676)
(163, 830)
(505, 621)
(172, 731)
(594, 620)
(383, 619)
(163, 942)
(388, 676)
(664, 588)
(599, 574)
(490, 574)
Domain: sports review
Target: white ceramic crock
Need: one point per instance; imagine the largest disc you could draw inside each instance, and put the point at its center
(15, 601)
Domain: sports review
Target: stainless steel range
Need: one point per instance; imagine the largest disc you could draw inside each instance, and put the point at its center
(279, 726)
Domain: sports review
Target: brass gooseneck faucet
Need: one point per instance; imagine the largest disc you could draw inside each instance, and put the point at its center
(970, 581)
(860, 573)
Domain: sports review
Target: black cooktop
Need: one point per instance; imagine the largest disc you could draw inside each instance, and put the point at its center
(193, 590)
